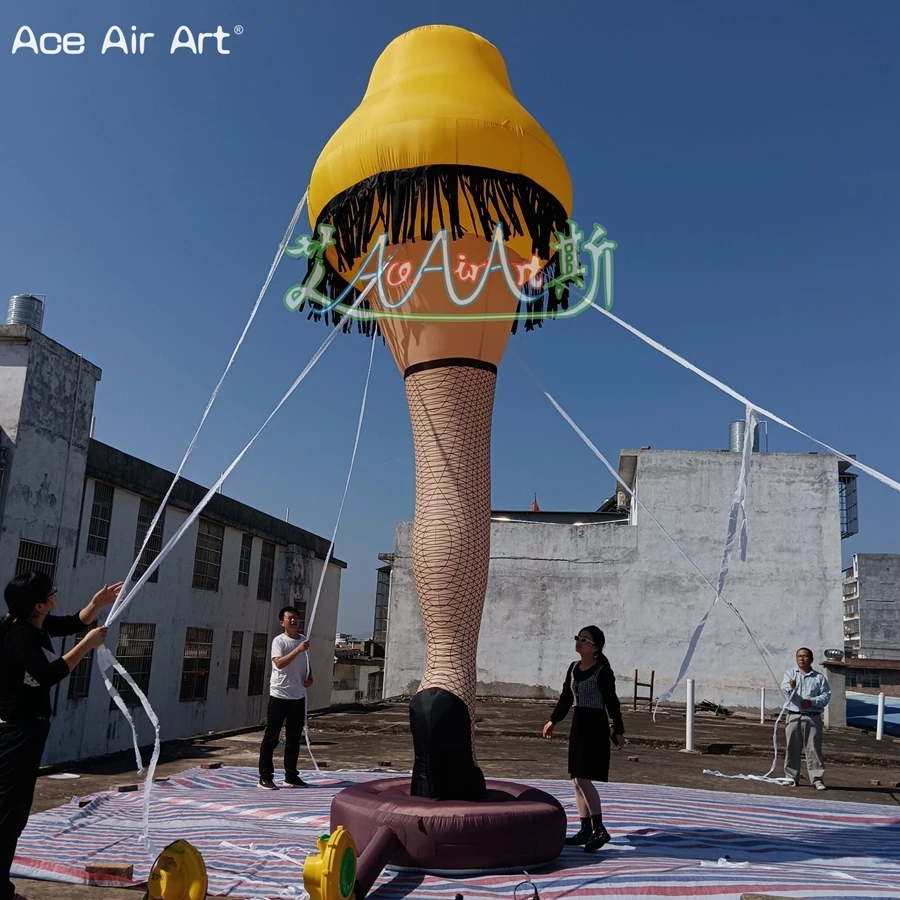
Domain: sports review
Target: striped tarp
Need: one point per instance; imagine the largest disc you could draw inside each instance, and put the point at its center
(667, 842)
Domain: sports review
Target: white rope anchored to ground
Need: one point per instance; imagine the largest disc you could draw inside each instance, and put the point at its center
(124, 594)
(315, 606)
(718, 595)
(105, 658)
(736, 513)
(890, 482)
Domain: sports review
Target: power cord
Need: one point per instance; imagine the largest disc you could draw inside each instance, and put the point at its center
(534, 896)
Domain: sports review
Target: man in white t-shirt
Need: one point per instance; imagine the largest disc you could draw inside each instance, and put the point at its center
(291, 676)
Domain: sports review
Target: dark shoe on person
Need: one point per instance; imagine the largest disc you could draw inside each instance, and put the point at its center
(267, 784)
(581, 837)
(599, 837)
(294, 781)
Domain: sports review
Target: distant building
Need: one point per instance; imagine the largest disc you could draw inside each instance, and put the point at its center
(382, 595)
(359, 665)
(872, 607)
(552, 573)
(196, 639)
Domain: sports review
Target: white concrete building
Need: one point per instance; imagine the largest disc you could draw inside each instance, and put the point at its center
(196, 638)
(553, 573)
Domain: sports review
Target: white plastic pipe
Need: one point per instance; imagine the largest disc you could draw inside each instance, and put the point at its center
(879, 730)
(762, 706)
(689, 726)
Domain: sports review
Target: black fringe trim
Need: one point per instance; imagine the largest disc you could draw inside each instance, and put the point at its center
(403, 203)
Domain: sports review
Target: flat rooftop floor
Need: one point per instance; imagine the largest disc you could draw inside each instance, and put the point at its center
(858, 768)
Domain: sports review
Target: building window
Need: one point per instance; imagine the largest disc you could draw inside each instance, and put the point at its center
(300, 606)
(208, 556)
(35, 557)
(101, 516)
(135, 652)
(234, 660)
(848, 505)
(244, 565)
(266, 572)
(382, 596)
(259, 653)
(154, 545)
(375, 686)
(195, 666)
(80, 679)
(864, 678)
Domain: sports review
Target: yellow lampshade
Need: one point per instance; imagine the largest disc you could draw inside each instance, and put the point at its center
(439, 96)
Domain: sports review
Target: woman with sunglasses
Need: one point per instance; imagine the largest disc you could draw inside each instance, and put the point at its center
(590, 686)
(29, 668)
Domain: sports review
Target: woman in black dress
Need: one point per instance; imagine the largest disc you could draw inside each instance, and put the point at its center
(590, 686)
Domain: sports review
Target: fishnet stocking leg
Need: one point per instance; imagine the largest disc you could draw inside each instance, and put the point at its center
(451, 409)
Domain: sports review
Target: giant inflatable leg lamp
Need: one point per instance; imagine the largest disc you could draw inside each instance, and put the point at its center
(441, 148)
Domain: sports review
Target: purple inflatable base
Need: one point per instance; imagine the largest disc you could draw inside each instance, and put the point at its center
(516, 826)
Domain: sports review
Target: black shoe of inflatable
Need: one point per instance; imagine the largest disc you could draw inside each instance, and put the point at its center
(444, 767)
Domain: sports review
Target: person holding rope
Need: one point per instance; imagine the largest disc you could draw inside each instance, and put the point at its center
(291, 676)
(29, 668)
(808, 694)
(589, 686)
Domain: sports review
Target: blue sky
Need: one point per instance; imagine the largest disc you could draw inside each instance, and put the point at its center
(743, 156)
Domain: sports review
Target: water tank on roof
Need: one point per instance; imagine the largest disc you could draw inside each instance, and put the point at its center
(736, 436)
(25, 309)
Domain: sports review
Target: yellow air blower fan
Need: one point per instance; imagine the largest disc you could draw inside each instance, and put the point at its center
(331, 873)
(179, 873)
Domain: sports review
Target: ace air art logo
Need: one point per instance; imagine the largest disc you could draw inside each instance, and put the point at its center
(124, 42)
(569, 270)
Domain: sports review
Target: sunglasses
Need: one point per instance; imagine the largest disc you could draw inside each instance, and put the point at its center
(581, 640)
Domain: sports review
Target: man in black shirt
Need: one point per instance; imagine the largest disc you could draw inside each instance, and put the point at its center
(29, 668)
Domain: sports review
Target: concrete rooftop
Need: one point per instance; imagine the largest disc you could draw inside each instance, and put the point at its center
(509, 745)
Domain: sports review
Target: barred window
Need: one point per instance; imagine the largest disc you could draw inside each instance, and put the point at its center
(300, 606)
(80, 679)
(154, 545)
(35, 557)
(101, 516)
(244, 565)
(135, 652)
(208, 555)
(195, 667)
(266, 572)
(867, 678)
(234, 660)
(259, 653)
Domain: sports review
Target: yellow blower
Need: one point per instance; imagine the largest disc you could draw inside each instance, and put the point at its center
(179, 873)
(330, 874)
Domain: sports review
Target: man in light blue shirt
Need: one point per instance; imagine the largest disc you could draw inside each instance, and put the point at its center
(808, 694)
